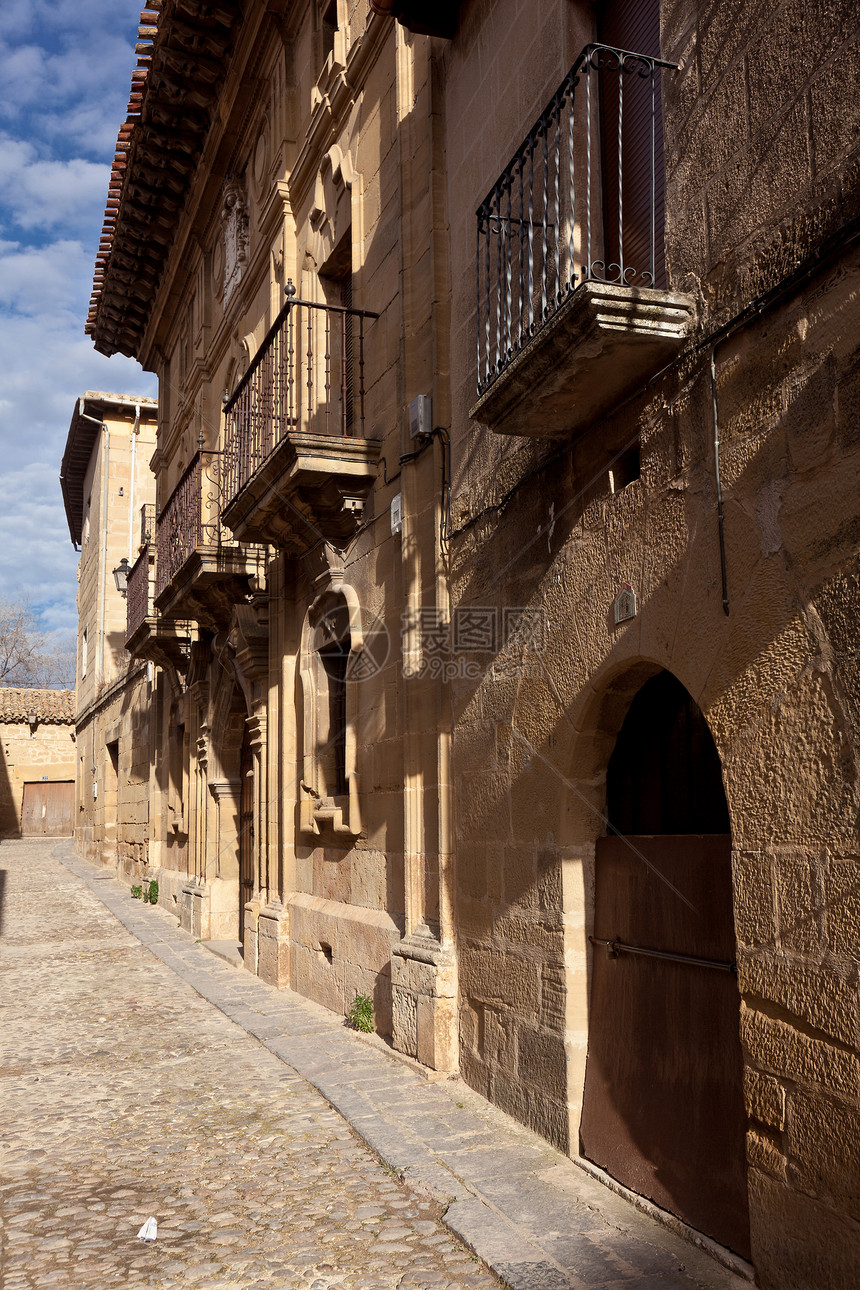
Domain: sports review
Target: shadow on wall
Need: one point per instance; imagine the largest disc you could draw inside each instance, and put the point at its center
(10, 822)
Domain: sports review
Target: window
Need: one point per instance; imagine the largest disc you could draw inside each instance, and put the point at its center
(331, 640)
(336, 281)
(84, 654)
(633, 25)
(334, 659)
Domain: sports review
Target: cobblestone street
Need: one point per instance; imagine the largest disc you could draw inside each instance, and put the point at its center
(144, 1077)
(126, 1095)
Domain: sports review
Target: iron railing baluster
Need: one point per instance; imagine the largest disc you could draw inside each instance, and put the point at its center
(530, 289)
(499, 358)
(479, 365)
(557, 199)
(344, 383)
(543, 303)
(571, 276)
(588, 129)
(488, 293)
(653, 281)
(620, 187)
(310, 372)
(522, 241)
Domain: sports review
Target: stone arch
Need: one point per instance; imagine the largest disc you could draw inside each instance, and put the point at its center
(597, 720)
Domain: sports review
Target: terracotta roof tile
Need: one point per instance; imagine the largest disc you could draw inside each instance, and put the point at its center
(52, 707)
(182, 49)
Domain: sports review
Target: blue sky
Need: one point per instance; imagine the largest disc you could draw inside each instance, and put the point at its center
(65, 71)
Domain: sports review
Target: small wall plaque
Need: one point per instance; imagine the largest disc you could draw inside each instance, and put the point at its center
(624, 606)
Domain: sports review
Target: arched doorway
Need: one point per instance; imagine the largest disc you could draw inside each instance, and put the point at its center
(663, 1104)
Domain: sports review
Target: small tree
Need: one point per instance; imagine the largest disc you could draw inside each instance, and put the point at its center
(57, 663)
(21, 644)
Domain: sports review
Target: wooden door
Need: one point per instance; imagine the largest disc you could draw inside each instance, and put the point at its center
(663, 1110)
(246, 831)
(48, 809)
(663, 1104)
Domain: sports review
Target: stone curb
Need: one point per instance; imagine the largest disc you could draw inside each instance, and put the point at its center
(528, 1212)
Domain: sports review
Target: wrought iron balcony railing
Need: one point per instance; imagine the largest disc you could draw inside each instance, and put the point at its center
(139, 592)
(190, 517)
(308, 378)
(147, 523)
(581, 200)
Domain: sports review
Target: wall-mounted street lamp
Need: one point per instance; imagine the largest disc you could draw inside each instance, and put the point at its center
(120, 576)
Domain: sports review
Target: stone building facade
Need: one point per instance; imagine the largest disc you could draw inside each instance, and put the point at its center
(108, 493)
(37, 762)
(503, 592)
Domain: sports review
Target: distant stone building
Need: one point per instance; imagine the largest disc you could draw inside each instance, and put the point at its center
(504, 589)
(37, 763)
(108, 491)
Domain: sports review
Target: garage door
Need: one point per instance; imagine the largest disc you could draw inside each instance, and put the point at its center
(48, 809)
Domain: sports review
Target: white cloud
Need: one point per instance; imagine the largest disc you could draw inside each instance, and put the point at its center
(43, 194)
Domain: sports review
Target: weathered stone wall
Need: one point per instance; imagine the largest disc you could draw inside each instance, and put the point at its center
(761, 163)
(27, 757)
(115, 752)
(113, 737)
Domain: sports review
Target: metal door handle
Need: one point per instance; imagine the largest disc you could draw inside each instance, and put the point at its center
(616, 947)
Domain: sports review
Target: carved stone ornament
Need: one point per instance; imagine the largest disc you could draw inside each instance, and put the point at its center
(234, 218)
(624, 606)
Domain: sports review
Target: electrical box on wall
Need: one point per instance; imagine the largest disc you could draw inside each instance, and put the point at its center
(420, 416)
(397, 513)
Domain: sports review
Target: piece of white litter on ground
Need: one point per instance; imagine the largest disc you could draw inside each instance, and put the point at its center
(149, 1231)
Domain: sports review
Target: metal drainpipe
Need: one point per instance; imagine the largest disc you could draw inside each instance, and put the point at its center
(135, 431)
(718, 481)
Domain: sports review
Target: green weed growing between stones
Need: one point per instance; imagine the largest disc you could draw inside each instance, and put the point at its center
(360, 1015)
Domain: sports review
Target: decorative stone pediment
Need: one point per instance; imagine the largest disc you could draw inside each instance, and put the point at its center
(330, 209)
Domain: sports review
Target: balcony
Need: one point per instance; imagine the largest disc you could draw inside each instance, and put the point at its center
(572, 304)
(147, 634)
(298, 465)
(200, 572)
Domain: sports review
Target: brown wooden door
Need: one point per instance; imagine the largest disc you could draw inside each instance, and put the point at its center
(246, 831)
(48, 809)
(663, 1106)
(663, 1110)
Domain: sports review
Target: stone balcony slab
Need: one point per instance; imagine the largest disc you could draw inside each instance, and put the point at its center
(210, 581)
(311, 486)
(601, 345)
